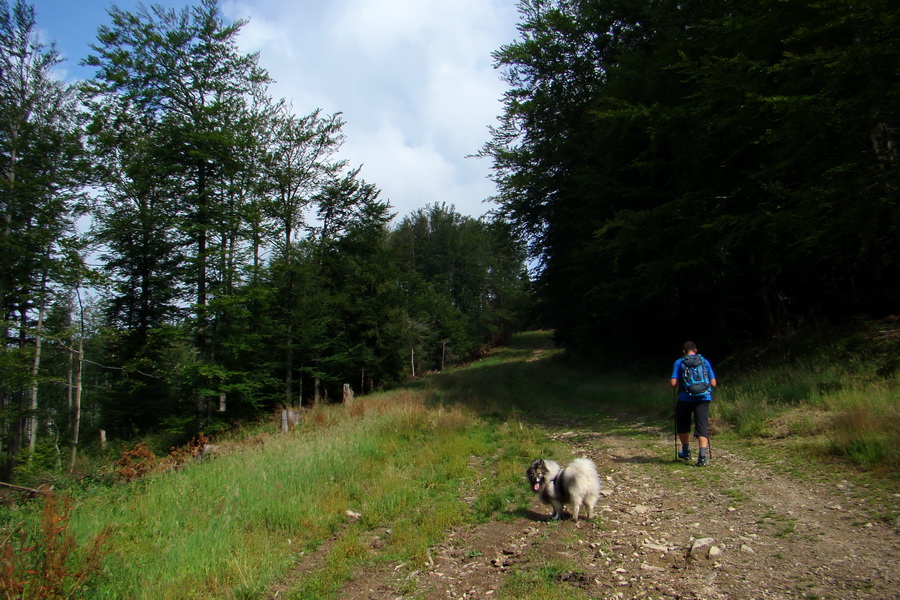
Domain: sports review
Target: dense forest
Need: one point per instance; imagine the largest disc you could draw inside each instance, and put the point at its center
(179, 250)
(684, 169)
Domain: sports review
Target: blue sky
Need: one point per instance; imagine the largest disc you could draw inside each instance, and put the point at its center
(413, 78)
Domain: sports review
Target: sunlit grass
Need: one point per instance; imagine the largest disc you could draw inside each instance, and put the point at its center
(229, 527)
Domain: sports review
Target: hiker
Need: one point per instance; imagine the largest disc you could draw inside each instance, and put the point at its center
(694, 377)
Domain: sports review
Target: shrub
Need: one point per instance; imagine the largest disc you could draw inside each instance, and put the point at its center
(136, 462)
(48, 564)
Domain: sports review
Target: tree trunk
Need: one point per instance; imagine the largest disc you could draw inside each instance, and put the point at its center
(76, 416)
(79, 369)
(31, 423)
(300, 388)
(70, 382)
(289, 365)
(202, 333)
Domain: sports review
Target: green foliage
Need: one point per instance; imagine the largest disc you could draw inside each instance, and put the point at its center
(697, 170)
(465, 283)
(40, 466)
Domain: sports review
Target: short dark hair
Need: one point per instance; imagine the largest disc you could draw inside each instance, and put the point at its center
(688, 346)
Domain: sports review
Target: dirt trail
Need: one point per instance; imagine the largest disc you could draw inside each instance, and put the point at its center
(733, 530)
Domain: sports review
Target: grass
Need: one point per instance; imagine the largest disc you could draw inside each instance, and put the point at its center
(235, 526)
(542, 583)
(834, 395)
(344, 491)
(857, 419)
(867, 424)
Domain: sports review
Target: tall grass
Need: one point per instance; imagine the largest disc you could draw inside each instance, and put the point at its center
(832, 395)
(235, 526)
(866, 424)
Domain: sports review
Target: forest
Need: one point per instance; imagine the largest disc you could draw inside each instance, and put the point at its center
(721, 171)
(181, 251)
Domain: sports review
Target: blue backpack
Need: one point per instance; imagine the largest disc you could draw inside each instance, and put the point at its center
(694, 375)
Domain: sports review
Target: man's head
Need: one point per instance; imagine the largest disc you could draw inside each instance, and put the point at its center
(689, 348)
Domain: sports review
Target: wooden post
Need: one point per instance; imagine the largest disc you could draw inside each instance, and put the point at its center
(348, 394)
(103, 439)
(221, 401)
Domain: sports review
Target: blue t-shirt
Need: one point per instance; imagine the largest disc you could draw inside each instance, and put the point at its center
(683, 396)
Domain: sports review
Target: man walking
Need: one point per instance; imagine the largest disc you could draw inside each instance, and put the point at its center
(694, 377)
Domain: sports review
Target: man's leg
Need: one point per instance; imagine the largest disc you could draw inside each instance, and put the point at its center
(701, 431)
(683, 427)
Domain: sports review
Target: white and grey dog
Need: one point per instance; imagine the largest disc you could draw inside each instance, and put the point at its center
(577, 484)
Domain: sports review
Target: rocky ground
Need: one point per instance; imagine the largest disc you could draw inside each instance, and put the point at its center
(737, 529)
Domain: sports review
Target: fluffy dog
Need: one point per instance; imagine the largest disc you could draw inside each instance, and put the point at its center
(577, 484)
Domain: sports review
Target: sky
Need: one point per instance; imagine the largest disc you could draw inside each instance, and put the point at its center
(414, 80)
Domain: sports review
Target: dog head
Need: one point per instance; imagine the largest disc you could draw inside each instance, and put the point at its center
(538, 474)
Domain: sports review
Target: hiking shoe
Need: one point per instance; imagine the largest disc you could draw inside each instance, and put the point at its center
(686, 455)
(702, 461)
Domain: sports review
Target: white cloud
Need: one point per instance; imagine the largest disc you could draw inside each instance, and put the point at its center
(412, 77)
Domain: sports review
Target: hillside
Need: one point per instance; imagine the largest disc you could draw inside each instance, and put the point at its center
(420, 494)
(758, 523)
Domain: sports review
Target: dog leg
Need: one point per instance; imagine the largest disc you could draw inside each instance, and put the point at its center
(557, 510)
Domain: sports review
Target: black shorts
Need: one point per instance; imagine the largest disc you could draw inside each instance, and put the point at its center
(700, 410)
